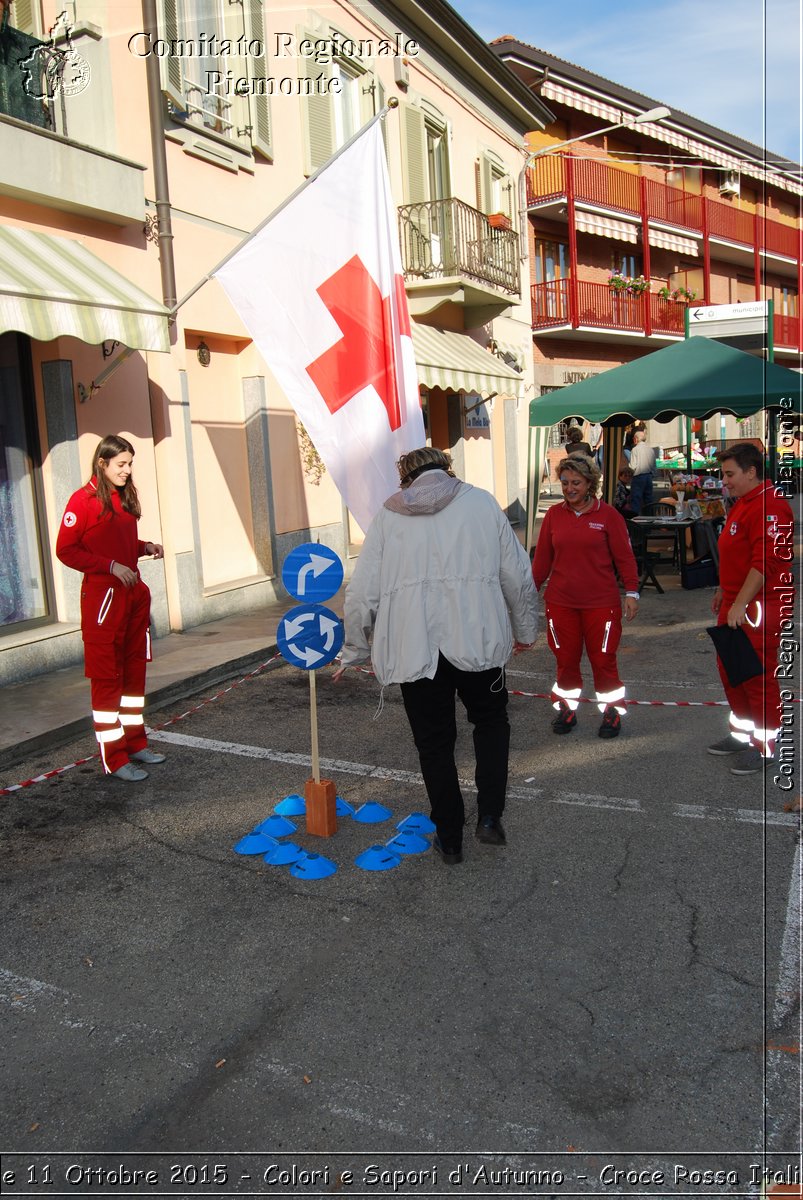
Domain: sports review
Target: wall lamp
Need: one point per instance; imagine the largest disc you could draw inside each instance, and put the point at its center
(652, 114)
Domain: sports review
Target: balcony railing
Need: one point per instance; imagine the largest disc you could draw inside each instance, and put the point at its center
(596, 182)
(600, 307)
(444, 238)
(786, 332)
(30, 76)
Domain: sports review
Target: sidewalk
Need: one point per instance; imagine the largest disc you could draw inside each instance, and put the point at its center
(53, 708)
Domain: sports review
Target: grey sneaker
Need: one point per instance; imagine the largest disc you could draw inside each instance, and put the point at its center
(148, 756)
(130, 773)
(750, 762)
(728, 745)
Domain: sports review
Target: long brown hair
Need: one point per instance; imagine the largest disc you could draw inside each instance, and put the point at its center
(109, 448)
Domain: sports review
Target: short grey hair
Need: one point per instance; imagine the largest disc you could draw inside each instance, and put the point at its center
(582, 465)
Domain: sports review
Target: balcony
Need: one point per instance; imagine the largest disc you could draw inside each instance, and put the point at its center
(599, 307)
(597, 184)
(451, 254)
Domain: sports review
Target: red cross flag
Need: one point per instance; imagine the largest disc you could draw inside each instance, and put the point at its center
(321, 291)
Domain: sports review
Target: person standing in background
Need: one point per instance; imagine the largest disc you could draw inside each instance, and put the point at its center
(594, 439)
(582, 546)
(756, 587)
(642, 464)
(98, 536)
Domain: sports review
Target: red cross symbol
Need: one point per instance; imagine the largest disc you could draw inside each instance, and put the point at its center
(365, 353)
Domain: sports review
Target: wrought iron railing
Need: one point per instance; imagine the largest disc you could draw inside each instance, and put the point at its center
(30, 78)
(444, 238)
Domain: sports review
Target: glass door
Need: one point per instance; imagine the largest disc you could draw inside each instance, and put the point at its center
(23, 592)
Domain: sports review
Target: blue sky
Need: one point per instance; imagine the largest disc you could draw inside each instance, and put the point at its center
(733, 63)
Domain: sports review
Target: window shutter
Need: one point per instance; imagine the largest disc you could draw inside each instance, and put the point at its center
(486, 184)
(414, 154)
(259, 106)
(26, 17)
(317, 117)
(170, 64)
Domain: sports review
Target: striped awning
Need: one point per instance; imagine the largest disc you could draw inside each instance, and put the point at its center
(457, 363)
(622, 231)
(673, 241)
(54, 287)
(552, 90)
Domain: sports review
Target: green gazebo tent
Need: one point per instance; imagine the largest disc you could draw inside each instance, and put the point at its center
(694, 378)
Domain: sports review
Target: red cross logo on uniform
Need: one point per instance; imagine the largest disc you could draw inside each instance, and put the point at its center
(365, 354)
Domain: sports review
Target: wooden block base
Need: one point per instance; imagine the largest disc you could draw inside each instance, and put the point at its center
(321, 811)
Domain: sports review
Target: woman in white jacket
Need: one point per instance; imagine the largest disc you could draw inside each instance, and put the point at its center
(441, 589)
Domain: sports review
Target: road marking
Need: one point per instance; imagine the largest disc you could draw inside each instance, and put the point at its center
(618, 803)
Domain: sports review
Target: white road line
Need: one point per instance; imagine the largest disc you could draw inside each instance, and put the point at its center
(618, 803)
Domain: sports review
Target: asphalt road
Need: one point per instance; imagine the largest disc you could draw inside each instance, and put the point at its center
(616, 990)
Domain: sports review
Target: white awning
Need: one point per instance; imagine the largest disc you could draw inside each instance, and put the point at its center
(455, 362)
(54, 287)
(623, 231)
(588, 104)
(673, 241)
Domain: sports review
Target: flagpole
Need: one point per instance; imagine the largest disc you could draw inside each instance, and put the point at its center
(383, 112)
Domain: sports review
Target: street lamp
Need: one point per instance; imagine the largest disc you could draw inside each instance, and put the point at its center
(652, 114)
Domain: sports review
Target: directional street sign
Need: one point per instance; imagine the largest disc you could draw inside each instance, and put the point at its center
(312, 573)
(746, 326)
(309, 636)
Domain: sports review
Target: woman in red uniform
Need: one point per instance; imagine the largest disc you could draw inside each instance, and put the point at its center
(582, 545)
(98, 535)
(756, 592)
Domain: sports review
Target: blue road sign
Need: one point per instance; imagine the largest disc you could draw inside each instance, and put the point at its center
(309, 636)
(312, 573)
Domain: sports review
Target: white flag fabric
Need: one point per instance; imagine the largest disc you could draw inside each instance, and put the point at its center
(321, 291)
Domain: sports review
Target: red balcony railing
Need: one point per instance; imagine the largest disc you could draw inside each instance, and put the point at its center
(550, 303)
(597, 182)
(786, 332)
(602, 308)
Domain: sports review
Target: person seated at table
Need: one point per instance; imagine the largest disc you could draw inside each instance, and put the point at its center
(575, 443)
(621, 500)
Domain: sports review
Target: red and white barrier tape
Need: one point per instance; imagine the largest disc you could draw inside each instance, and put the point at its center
(16, 787)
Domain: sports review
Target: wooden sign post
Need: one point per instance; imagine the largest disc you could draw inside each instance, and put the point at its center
(319, 794)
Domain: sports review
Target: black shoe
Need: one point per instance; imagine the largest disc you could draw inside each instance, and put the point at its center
(611, 724)
(449, 854)
(565, 721)
(490, 831)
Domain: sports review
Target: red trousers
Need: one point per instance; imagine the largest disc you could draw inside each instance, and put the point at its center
(115, 624)
(599, 630)
(756, 704)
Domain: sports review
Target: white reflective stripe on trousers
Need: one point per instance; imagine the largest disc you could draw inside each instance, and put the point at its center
(570, 697)
(606, 699)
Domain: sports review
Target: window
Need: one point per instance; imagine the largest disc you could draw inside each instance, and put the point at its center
(495, 191)
(551, 261)
(425, 154)
(627, 264)
(200, 84)
(333, 113)
(23, 596)
(690, 179)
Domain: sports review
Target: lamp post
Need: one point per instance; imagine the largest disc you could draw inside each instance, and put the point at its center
(652, 114)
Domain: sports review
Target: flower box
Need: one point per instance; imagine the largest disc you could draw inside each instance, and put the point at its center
(499, 221)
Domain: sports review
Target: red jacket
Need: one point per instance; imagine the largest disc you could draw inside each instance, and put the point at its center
(581, 555)
(90, 540)
(758, 532)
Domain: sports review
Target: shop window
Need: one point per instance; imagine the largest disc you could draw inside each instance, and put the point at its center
(23, 582)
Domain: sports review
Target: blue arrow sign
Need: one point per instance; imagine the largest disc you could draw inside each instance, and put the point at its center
(312, 572)
(309, 636)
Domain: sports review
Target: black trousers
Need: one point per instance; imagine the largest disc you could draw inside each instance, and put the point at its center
(430, 708)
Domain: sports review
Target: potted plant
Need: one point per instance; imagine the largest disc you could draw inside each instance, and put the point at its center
(618, 282)
(636, 287)
(682, 295)
(499, 220)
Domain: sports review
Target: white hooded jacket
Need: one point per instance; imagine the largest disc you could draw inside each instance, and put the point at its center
(441, 570)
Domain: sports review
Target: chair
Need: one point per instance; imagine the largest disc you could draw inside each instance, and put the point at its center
(668, 538)
(646, 561)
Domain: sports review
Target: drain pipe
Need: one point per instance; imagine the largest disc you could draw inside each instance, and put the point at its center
(155, 110)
